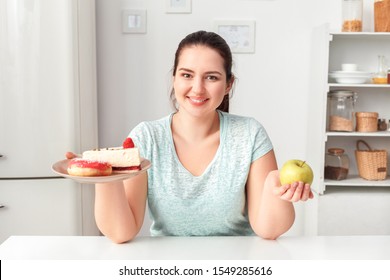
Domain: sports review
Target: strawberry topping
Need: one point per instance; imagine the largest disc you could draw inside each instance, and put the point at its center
(128, 143)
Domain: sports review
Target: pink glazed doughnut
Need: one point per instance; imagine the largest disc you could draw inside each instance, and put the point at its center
(88, 168)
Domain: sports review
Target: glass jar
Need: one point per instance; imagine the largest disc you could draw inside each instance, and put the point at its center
(336, 164)
(382, 125)
(380, 77)
(341, 110)
(352, 15)
(388, 76)
(382, 15)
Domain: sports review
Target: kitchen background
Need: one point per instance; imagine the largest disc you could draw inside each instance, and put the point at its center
(133, 81)
(273, 82)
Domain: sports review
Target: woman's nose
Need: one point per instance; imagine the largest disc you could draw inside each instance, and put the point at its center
(198, 86)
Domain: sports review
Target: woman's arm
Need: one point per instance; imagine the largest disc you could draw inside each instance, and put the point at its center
(120, 207)
(270, 209)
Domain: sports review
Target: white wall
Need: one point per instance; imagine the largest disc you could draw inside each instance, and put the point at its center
(273, 86)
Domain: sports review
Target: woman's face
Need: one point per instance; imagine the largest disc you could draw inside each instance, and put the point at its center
(200, 80)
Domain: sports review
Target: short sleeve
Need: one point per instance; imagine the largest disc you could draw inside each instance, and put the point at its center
(261, 142)
(142, 139)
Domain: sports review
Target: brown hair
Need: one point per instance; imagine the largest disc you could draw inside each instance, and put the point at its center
(216, 42)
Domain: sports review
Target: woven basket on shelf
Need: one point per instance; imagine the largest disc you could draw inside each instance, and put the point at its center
(372, 164)
(366, 121)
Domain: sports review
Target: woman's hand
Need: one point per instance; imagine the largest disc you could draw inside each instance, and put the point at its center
(297, 191)
(70, 155)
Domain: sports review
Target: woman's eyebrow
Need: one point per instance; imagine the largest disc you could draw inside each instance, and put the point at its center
(191, 71)
(214, 72)
(185, 69)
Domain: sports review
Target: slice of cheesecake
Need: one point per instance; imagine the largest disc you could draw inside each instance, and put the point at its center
(121, 159)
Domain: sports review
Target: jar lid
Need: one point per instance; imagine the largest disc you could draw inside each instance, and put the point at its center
(336, 151)
(341, 93)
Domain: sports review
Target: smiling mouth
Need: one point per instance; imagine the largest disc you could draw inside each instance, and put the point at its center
(198, 100)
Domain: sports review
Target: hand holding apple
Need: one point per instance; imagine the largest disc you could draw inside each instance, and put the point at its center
(296, 170)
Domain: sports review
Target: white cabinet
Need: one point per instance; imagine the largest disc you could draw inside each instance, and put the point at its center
(352, 206)
(40, 207)
(48, 106)
(333, 49)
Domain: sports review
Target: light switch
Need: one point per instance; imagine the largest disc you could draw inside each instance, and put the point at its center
(134, 21)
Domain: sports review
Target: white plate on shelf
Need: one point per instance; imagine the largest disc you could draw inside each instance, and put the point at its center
(61, 167)
(350, 77)
(350, 73)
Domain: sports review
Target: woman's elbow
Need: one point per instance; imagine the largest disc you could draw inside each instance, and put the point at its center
(272, 232)
(120, 235)
(122, 238)
(269, 235)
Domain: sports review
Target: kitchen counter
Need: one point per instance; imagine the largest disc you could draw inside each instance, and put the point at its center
(197, 248)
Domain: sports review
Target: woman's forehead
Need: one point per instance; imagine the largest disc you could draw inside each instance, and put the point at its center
(199, 54)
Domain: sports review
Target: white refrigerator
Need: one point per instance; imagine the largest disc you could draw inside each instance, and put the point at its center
(47, 106)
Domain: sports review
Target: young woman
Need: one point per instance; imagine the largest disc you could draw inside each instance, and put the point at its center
(213, 173)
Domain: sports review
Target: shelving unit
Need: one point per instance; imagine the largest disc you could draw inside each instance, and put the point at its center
(353, 206)
(331, 50)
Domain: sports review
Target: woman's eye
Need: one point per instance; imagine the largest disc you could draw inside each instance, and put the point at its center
(212, 78)
(185, 75)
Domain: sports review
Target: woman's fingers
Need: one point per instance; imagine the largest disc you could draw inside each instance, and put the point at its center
(306, 192)
(297, 191)
(289, 194)
(70, 155)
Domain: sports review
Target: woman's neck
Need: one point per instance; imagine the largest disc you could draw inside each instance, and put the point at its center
(194, 128)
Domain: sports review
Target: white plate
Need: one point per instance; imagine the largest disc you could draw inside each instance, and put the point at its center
(350, 74)
(351, 80)
(356, 77)
(61, 167)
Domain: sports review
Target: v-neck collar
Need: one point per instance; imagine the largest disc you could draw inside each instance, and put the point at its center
(221, 142)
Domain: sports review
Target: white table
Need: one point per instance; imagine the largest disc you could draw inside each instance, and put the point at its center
(196, 248)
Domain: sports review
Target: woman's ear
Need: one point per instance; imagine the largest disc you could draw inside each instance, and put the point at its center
(230, 84)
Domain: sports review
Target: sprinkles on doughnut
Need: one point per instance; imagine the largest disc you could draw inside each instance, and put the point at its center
(88, 168)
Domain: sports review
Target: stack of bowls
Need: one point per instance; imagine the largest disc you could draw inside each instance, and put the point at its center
(350, 74)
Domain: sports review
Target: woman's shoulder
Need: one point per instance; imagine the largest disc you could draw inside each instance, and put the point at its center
(153, 125)
(230, 118)
(151, 129)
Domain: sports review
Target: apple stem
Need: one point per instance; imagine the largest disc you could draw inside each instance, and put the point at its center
(303, 163)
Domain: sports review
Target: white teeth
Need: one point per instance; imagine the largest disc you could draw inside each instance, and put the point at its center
(198, 100)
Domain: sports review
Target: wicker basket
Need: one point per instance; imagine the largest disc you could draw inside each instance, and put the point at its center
(366, 121)
(372, 164)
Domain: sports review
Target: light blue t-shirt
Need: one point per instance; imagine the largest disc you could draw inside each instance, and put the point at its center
(213, 203)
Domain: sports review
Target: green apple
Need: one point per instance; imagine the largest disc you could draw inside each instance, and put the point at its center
(295, 170)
